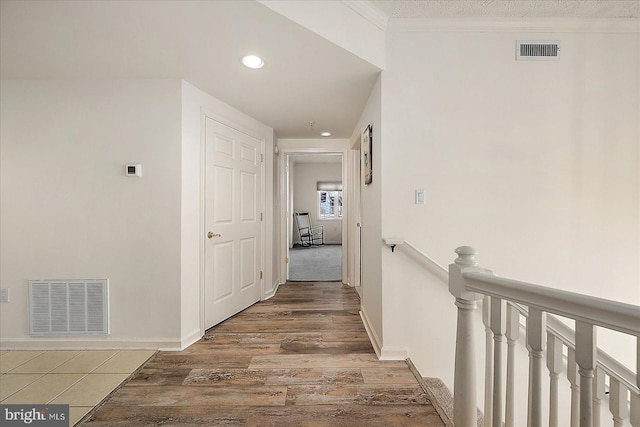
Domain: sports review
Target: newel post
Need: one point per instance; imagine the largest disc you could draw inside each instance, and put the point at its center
(465, 405)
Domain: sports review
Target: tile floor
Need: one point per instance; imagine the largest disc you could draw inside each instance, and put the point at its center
(79, 378)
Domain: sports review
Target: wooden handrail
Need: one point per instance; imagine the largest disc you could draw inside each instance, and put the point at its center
(438, 269)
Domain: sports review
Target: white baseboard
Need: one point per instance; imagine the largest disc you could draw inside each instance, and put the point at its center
(273, 291)
(375, 341)
(394, 353)
(89, 343)
(192, 338)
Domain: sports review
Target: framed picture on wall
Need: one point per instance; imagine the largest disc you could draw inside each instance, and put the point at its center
(366, 154)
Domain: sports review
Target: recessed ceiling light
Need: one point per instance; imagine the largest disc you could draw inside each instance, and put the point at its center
(325, 134)
(253, 61)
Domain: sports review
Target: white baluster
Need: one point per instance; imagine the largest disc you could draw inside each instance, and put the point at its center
(635, 398)
(586, 359)
(618, 401)
(513, 333)
(498, 327)
(554, 364)
(598, 395)
(572, 376)
(535, 345)
(488, 362)
(465, 412)
(635, 410)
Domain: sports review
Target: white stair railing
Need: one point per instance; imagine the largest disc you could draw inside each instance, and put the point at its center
(587, 368)
(622, 383)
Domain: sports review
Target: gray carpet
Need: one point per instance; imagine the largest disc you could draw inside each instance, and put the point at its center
(315, 263)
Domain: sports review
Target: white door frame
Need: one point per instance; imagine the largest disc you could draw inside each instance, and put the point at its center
(355, 218)
(283, 160)
(204, 114)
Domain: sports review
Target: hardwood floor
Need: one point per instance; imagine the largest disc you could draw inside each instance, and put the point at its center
(300, 358)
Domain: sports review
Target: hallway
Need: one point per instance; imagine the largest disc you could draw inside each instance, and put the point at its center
(300, 358)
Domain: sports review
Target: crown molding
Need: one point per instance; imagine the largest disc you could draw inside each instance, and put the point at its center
(560, 25)
(369, 12)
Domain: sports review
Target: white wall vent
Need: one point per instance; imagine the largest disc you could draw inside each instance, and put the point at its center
(68, 307)
(537, 50)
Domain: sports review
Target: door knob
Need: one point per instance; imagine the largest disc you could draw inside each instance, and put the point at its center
(210, 235)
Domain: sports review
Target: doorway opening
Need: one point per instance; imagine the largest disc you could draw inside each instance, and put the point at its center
(316, 208)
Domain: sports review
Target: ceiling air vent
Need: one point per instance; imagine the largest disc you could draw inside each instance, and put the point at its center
(535, 50)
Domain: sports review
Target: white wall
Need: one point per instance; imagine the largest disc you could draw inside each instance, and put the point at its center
(533, 163)
(69, 212)
(371, 199)
(306, 177)
(359, 30)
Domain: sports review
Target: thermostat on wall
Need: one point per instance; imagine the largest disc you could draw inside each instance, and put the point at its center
(133, 169)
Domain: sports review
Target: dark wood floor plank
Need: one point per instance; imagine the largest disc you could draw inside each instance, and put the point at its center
(359, 360)
(381, 375)
(224, 350)
(355, 335)
(287, 326)
(221, 338)
(196, 396)
(302, 358)
(343, 347)
(159, 376)
(332, 416)
(226, 377)
(366, 394)
(184, 360)
(134, 416)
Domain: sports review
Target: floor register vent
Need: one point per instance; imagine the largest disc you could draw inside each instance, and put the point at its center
(68, 307)
(534, 50)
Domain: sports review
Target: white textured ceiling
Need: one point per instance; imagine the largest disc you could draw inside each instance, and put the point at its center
(591, 9)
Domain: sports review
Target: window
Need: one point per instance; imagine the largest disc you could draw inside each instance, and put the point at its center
(329, 199)
(329, 204)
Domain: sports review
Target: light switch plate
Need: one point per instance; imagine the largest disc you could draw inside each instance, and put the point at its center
(4, 295)
(420, 197)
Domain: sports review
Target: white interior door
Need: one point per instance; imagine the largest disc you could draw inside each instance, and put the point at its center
(233, 241)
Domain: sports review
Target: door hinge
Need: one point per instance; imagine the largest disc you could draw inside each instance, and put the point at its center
(261, 158)
(261, 274)
(286, 260)
(260, 216)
